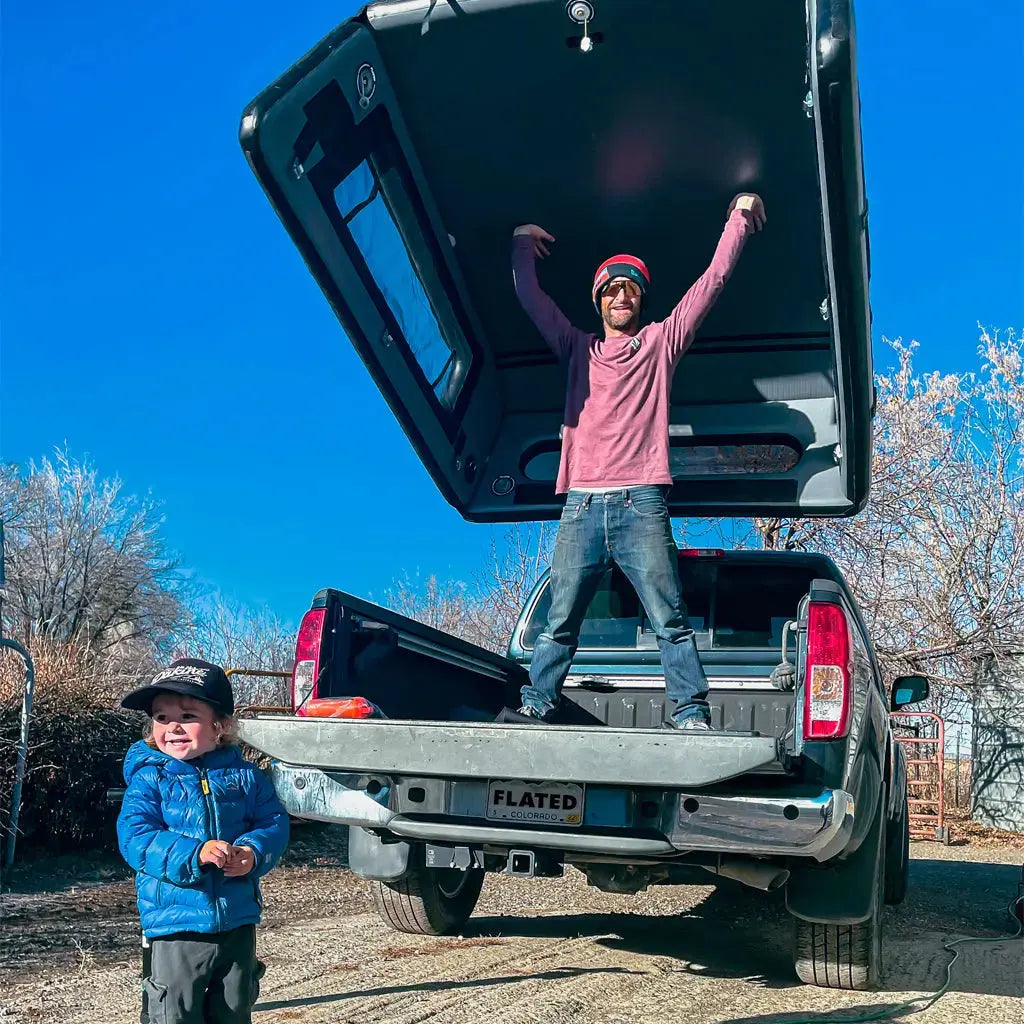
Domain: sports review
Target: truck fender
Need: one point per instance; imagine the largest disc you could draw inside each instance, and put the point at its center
(843, 891)
(370, 856)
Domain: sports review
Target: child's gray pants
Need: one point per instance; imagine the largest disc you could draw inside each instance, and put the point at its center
(192, 978)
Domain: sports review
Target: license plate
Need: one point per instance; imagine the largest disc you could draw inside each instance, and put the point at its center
(535, 803)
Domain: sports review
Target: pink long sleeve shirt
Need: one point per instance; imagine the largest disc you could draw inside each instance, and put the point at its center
(615, 432)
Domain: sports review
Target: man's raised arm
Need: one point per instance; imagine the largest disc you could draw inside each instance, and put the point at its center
(745, 216)
(530, 242)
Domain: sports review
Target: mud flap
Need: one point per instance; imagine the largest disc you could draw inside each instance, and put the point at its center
(369, 856)
(842, 892)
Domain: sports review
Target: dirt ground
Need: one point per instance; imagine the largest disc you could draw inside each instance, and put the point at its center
(539, 952)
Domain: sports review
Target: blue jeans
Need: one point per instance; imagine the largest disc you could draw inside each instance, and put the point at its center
(631, 528)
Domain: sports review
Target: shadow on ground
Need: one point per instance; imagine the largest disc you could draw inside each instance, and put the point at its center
(439, 986)
(738, 933)
(847, 1013)
(734, 933)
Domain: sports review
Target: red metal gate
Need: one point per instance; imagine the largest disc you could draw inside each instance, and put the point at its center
(923, 738)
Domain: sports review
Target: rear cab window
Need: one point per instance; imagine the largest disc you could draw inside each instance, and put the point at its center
(731, 606)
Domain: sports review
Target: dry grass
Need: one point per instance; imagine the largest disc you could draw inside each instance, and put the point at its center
(69, 677)
(76, 740)
(957, 788)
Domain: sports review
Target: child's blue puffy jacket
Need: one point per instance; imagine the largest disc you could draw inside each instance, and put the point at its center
(170, 809)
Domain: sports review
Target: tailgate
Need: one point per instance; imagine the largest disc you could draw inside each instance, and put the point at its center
(621, 757)
(400, 159)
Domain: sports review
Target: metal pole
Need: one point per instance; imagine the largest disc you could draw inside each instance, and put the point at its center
(941, 757)
(956, 784)
(19, 771)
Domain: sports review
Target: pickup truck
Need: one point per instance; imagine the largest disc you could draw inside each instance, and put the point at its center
(399, 154)
(800, 787)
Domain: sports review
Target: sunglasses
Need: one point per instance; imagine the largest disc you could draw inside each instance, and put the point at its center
(631, 288)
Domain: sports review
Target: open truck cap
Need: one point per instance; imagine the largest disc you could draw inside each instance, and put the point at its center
(403, 150)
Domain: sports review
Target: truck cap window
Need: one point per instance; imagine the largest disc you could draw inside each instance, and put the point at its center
(361, 202)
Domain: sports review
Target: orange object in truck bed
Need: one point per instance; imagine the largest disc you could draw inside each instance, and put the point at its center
(339, 707)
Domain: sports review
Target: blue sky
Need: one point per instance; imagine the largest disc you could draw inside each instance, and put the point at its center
(156, 317)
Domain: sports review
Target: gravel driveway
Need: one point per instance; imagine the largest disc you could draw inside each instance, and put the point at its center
(543, 952)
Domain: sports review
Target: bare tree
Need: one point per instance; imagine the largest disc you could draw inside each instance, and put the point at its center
(230, 633)
(453, 607)
(515, 566)
(936, 559)
(236, 636)
(485, 610)
(86, 562)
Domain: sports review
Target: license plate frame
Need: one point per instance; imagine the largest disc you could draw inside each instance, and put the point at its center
(506, 802)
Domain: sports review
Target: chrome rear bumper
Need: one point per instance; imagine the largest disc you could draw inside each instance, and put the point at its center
(817, 827)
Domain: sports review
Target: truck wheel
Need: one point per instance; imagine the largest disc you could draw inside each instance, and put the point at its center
(428, 901)
(897, 861)
(841, 955)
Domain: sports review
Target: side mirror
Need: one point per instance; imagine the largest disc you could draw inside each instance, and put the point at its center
(908, 690)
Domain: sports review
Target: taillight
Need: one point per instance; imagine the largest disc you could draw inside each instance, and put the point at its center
(307, 658)
(701, 553)
(829, 677)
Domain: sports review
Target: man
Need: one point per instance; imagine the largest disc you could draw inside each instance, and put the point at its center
(614, 467)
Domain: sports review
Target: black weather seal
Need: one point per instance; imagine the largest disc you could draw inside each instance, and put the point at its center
(362, 204)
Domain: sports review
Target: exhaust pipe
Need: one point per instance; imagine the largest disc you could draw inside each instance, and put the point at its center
(755, 873)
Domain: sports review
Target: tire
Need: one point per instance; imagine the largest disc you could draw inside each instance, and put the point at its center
(897, 862)
(844, 956)
(428, 901)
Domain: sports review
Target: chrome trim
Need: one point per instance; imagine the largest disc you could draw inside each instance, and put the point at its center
(581, 842)
(339, 798)
(750, 826)
(759, 825)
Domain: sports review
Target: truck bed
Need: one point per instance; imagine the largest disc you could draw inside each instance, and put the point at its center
(416, 673)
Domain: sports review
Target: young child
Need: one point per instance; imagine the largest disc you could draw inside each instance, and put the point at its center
(200, 826)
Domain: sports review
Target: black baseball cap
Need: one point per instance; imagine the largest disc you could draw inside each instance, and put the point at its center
(191, 677)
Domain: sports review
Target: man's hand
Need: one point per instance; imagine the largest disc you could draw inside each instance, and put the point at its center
(240, 862)
(539, 236)
(215, 852)
(754, 207)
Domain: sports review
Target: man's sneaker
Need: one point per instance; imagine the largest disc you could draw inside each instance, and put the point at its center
(529, 711)
(691, 725)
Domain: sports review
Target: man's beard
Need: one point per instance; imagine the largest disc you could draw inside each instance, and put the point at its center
(619, 319)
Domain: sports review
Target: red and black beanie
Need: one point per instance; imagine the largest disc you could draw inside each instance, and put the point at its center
(620, 266)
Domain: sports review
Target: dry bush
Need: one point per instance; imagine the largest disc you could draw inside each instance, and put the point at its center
(69, 676)
(77, 739)
(955, 794)
(74, 757)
